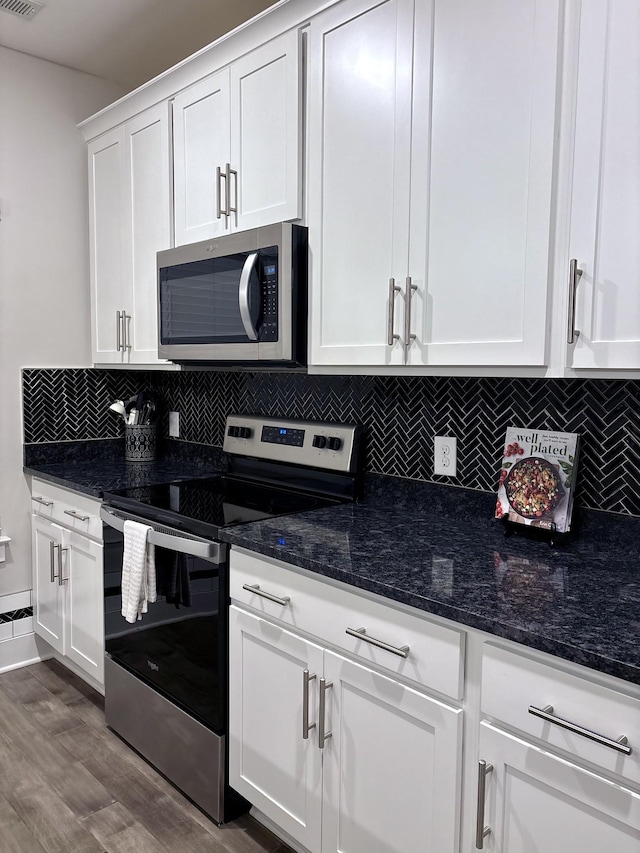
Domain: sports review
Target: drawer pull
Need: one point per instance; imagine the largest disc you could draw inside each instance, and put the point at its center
(255, 587)
(74, 514)
(361, 634)
(546, 713)
(481, 830)
(306, 725)
(42, 501)
(323, 735)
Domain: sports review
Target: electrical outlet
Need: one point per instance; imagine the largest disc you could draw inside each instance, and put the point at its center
(174, 424)
(445, 450)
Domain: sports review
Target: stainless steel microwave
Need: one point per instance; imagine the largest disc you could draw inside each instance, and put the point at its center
(237, 299)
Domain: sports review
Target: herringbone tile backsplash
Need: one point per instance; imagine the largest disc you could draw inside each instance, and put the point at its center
(400, 415)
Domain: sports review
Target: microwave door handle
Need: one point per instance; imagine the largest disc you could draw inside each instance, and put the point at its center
(243, 296)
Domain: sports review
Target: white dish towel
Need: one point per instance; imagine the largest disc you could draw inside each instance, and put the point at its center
(138, 571)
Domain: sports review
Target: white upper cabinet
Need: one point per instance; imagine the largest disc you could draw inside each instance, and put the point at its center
(237, 144)
(201, 146)
(130, 220)
(431, 153)
(359, 151)
(605, 208)
(481, 200)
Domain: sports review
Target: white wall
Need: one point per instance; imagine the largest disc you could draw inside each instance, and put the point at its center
(44, 267)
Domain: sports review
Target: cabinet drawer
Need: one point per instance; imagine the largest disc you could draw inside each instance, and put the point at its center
(70, 509)
(434, 658)
(512, 683)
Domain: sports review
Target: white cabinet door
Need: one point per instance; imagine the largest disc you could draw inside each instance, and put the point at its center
(148, 215)
(266, 134)
(84, 605)
(391, 768)
(537, 803)
(605, 209)
(130, 220)
(270, 763)
(482, 161)
(49, 560)
(360, 58)
(201, 145)
(107, 199)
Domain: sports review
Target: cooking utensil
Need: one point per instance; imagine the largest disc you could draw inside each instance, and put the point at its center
(119, 408)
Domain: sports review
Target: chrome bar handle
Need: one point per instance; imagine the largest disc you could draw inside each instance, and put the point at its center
(255, 587)
(52, 551)
(481, 830)
(230, 172)
(219, 176)
(409, 338)
(574, 278)
(119, 331)
(61, 551)
(620, 744)
(393, 289)
(306, 725)
(42, 501)
(323, 736)
(125, 331)
(74, 514)
(361, 634)
(243, 296)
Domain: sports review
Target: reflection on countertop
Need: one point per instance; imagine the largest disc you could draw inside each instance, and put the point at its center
(95, 467)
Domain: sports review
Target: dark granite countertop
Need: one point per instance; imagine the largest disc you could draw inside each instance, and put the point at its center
(439, 550)
(95, 467)
(436, 548)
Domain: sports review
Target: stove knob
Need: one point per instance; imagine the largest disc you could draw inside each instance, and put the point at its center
(334, 443)
(244, 432)
(319, 441)
(233, 431)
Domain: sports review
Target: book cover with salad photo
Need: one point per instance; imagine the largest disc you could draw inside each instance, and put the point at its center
(537, 478)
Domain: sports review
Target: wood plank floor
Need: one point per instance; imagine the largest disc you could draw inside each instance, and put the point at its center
(69, 785)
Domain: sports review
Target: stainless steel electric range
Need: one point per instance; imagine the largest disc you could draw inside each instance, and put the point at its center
(166, 675)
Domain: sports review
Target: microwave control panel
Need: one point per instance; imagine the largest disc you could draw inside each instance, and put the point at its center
(269, 291)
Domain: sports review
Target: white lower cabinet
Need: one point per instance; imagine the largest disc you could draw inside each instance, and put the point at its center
(270, 763)
(68, 583)
(338, 755)
(536, 802)
(551, 759)
(391, 768)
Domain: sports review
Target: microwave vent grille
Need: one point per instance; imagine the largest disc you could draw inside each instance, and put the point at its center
(21, 8)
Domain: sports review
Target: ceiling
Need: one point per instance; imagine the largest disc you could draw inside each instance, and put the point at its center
(127, 41)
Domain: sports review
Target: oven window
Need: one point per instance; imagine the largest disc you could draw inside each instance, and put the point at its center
(179, 646)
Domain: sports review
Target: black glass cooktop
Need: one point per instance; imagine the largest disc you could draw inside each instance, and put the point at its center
(202, 506)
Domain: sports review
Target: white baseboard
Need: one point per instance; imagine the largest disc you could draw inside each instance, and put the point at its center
(22, 651)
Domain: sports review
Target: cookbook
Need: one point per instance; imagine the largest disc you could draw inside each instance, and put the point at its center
(537, 478)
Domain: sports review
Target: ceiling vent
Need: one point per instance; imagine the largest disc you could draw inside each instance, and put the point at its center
(21, 8)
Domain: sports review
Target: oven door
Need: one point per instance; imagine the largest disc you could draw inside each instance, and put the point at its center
(179, 647)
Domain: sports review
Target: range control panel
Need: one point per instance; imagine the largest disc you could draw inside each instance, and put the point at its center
(316, 444)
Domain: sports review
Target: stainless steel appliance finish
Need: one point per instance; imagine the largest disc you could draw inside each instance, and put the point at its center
(167, 737)
(166, 675)
(317, 445)
(238, 298)
(165, 537)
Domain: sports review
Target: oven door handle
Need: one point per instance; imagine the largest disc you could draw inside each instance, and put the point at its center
(243, 296)
(172, 541)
